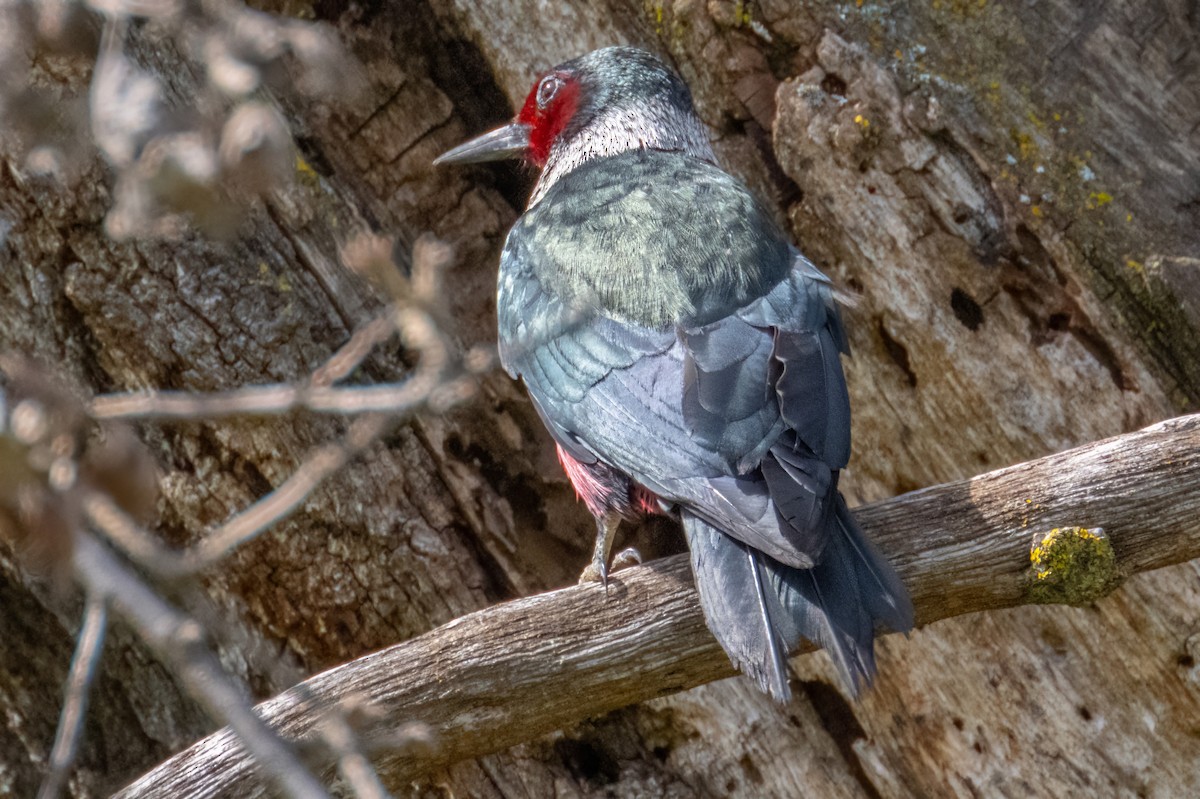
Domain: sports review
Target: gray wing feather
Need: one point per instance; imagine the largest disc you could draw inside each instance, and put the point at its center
(693, 415)
(727, 402)
(808, 341)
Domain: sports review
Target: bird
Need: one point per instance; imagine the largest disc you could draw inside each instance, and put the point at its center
(686, 359)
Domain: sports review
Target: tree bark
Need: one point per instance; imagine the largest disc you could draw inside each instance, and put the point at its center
(1013, 194)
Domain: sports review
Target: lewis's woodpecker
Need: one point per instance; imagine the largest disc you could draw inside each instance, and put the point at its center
(686, 358)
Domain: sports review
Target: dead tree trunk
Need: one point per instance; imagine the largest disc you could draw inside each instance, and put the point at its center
(1012, 191)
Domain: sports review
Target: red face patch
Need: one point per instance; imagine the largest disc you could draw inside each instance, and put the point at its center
(547, 110)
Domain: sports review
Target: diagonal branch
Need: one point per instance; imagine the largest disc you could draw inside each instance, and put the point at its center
(79, 682)
(178, 640)
(522, 669)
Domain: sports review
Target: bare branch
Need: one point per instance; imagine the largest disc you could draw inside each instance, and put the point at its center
(412, 314)
(244, 526)
(429, 385)
(351, 354)
(522, 669)
(416, 328)
(178, 640)
(79, 682)
(340, 734)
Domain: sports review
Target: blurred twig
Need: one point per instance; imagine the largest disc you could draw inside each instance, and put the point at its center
(179, 641)
(430, 384)
(417, 330)
(339, 733)
(75, 701)
(415, 304)
(319, 464)
(74, 487)
(66, 467)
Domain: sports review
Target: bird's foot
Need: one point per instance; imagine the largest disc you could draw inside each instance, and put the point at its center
(594, 572)
(597, 571)
(606, 531)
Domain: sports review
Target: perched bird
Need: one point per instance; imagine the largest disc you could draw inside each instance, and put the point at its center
(686, 358)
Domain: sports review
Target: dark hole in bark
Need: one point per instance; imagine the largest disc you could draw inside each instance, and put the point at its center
(898, 353)
(966, 310)
(833, 84)
(587, 762)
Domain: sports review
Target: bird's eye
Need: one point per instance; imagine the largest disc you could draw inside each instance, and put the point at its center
(547, 89)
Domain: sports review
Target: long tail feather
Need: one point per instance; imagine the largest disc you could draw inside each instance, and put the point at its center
(884, 594)
(759, 609)
(738, 600)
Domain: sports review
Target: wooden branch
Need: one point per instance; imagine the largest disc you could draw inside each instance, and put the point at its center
(515, 671)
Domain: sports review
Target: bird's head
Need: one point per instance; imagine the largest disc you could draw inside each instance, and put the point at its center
(602, 103)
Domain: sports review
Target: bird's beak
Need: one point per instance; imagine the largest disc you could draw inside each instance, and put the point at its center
(510, 141)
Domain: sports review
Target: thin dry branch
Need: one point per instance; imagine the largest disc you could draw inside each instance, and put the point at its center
(518, 670)
(319, 464)
(412, 314)
(417, 329)
(88, 650)
(178, 640)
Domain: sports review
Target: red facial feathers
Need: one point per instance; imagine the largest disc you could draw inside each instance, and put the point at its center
(547, 110)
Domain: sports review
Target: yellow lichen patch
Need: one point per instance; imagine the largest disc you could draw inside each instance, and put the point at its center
(305, 171)
(1098, 199)
(743, 13)
(1025, 144)
(657, 10)
(1029, 506)
(1037, 211)
(1072, 566)
(862, 121)
(993, 94)
(279, 282)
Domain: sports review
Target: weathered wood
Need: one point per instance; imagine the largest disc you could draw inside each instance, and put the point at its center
(521, 669)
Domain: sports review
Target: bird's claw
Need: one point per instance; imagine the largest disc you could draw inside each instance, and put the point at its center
(629, 556)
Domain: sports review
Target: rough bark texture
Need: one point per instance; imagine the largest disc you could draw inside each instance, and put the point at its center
(1012, 190)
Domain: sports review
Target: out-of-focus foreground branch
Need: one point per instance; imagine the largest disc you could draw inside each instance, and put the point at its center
(1027, 533)
(67, 476)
